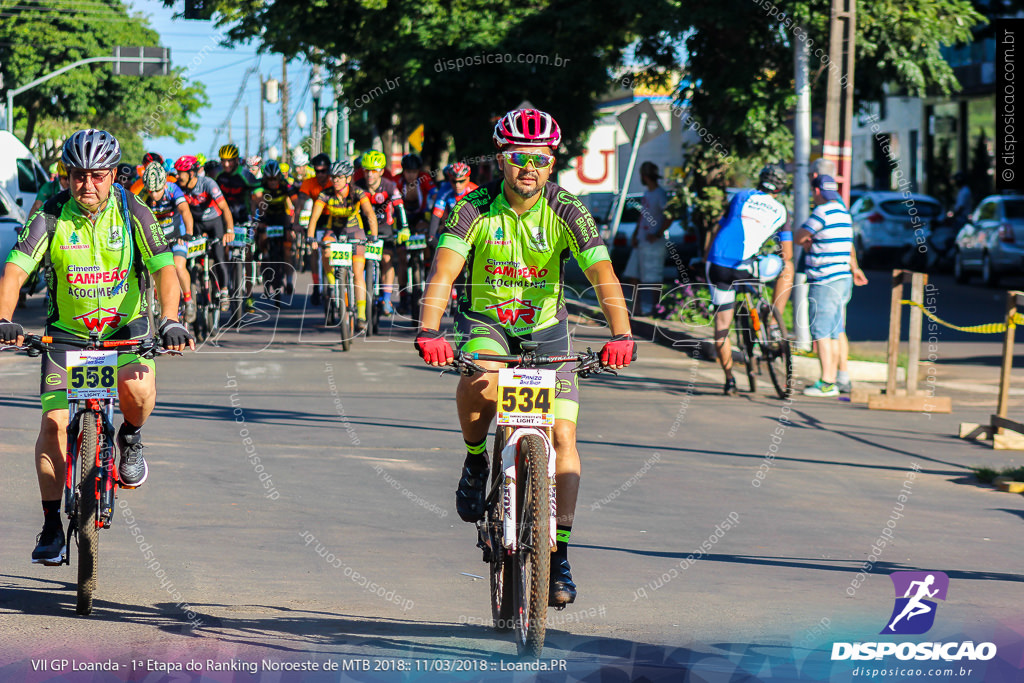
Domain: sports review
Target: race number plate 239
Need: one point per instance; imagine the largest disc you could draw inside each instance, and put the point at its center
(526, 397)
(92, 374)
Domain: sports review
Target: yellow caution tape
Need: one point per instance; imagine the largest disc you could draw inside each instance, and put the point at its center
(988, 328)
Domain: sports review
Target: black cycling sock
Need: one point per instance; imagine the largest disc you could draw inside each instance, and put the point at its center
(562, 534)
(51, 513)
(476, 455)
(128, 428)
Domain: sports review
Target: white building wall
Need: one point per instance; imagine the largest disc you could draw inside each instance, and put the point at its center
(903, 115)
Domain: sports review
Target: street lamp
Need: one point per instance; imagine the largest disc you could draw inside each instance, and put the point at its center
(315, 88)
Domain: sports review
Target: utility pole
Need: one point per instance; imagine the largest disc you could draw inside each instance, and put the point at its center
(263, 115)
(315, 88)
(801, 185)
(285, 148)
(246, 129)
(838, 146)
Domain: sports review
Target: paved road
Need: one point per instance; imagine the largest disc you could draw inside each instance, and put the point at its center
(359, 455)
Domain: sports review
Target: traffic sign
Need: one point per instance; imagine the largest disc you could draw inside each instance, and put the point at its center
(142, 61)
(628, 120)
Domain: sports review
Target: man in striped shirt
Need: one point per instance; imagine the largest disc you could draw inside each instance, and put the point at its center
(831, 267)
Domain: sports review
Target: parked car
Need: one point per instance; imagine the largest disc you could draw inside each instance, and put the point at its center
(684, 240)
(20, 173)
(890, 223)
(988, 244)
(12, 220)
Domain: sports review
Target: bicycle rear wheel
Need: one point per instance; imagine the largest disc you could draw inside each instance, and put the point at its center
(501, 567)
(85, 516)
(532, 559)
(779, 356)
(745, 342)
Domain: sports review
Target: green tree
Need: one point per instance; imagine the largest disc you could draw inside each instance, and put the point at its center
(37, 39)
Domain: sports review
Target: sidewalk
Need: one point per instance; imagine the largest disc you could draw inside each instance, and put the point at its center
(968, 372)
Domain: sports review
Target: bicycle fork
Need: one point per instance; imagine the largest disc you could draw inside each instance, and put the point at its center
(509, 463)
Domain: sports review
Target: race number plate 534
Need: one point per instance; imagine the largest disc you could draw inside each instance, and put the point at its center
(92, 374)
(526, 397)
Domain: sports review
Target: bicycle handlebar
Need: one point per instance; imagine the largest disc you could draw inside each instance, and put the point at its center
(36, 344)
(587, 364)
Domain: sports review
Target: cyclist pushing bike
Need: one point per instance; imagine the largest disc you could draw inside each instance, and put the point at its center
(515, 235)
(97, 242)
(753, 217)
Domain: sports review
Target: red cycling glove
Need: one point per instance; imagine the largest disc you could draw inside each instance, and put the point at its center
(619, 350)
(433, 347)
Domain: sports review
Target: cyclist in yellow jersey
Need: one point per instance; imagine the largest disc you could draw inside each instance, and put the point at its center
(342, 204)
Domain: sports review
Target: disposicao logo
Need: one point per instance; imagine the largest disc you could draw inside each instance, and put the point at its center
(913, 614)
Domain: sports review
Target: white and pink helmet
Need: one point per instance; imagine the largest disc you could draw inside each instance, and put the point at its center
(528, 128)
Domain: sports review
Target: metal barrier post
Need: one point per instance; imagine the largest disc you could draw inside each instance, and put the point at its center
(1004, 374)
(893, 353)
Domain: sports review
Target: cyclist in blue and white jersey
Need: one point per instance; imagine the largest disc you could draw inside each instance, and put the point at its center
(754, 217)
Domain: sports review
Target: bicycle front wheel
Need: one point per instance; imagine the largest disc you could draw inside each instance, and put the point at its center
(780, 357)
(532, 559)
(501, 567)
(344, 315)
(745, 342)
(86, 515)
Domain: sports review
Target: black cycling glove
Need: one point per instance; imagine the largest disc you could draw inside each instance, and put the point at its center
(173, 333)
(9, 332)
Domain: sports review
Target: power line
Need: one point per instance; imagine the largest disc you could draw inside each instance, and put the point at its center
(238, 98)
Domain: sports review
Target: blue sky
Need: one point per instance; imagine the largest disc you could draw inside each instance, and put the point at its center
(221, 70)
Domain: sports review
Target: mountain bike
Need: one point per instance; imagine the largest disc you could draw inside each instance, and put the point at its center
(340, 296)
(91, 479)
(271, 254)
(245, 277)
(517, 532)
(205, 286)
(374, 254)
(761, 334)
(416, 269)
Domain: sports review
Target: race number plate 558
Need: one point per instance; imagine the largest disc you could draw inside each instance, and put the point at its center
(92, 374)
(526, 397)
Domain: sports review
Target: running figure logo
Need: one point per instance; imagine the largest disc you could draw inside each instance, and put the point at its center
(913, 614)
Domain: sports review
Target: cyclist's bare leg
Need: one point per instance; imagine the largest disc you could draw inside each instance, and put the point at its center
(183, 279)
(136, 392)
(477, 398)
(723, 321)
(50, 446)
(567, 471)
(359, 269)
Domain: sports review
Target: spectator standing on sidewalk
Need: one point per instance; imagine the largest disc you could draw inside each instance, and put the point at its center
(647, 259)
(827, 238)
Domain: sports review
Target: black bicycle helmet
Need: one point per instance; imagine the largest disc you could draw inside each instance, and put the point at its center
(125, 173)
(272, 169)
(772, 179)
(91, 149)
(320, 160)
(412, 162)
(341, 168)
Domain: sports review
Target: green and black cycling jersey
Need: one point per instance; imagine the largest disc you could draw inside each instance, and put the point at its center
(515, 264)
(95, 267)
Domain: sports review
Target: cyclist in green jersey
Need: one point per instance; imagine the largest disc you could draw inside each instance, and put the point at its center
(513, 237)
(51, 189)
(98, 240)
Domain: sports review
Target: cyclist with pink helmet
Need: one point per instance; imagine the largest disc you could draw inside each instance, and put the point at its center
(513, 237)
(211, 216)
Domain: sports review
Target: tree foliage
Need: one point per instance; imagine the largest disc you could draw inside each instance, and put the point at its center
(37, 38)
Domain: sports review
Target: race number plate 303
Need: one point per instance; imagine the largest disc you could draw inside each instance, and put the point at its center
(526, 397)
(92, 374)
(341, 254)
(196, 246)
(375, 250)
(417, 242)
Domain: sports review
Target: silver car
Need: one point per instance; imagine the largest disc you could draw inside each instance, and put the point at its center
(988, 244)
(890, 222)
(12, 220)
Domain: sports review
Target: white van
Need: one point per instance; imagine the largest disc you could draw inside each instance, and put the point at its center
(20, 173)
